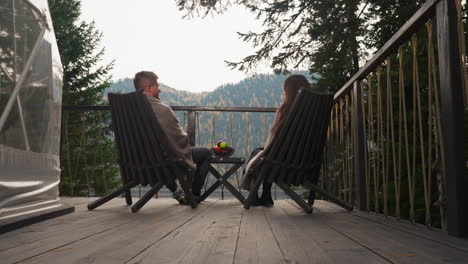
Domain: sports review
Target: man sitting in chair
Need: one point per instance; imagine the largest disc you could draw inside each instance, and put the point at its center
(195, 156)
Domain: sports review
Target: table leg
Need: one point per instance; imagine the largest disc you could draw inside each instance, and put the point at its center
(222, 179)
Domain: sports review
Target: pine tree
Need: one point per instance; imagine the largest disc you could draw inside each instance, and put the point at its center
(86, 142)
(318, 35)
(78, 41)
(330, 38)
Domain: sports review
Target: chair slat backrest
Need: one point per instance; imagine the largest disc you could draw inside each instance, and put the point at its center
(295, 154)
(141, 143)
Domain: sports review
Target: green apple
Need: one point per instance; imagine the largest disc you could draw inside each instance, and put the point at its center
(223, 145)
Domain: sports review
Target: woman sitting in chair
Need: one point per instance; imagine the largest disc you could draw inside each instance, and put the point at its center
(291, 87)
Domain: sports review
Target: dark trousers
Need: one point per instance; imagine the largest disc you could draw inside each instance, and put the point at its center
(200, 157)
(266, 185)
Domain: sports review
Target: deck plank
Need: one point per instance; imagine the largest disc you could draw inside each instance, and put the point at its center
(57, 226)
(256, 243)
(109, 217)
(210, 237)
(296, 245)
(419, 230)
(223, 232)
(124, 242)
(339, 248)
(395, 245)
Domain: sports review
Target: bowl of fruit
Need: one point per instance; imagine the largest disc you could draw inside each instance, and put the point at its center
(222, 149)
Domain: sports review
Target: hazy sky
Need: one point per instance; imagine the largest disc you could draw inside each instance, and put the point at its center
(187, 54)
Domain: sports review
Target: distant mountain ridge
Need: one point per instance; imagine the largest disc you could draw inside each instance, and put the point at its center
(169, 95)
(262, 90)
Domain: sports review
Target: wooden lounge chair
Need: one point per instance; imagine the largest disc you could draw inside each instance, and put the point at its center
(295, 155)
(144, 156)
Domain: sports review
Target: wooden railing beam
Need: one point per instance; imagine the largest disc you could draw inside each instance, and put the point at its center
(182, 108)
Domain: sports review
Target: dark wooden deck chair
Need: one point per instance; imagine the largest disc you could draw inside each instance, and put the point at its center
(295, 155)
(144, 155)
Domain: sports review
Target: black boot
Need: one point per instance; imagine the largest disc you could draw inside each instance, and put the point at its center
(256, 201)
(266, 198)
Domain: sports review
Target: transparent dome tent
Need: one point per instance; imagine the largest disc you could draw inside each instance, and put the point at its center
(30, 112)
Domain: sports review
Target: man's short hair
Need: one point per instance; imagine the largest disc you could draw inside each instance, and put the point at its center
(138, 81)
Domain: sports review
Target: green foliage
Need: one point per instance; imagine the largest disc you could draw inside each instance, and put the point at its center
(330, 38)
(386, 17)
(84, 79)
(84, 82)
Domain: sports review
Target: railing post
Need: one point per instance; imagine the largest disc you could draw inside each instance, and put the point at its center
(191, 127)
(452, 115)
(359, 149)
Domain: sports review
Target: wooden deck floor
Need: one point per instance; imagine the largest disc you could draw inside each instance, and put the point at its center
(223, 232)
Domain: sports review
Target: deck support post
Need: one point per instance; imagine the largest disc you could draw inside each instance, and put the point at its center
(452, 117)
(191, 127)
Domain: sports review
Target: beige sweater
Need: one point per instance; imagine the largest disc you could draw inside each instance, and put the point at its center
(176, 135)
